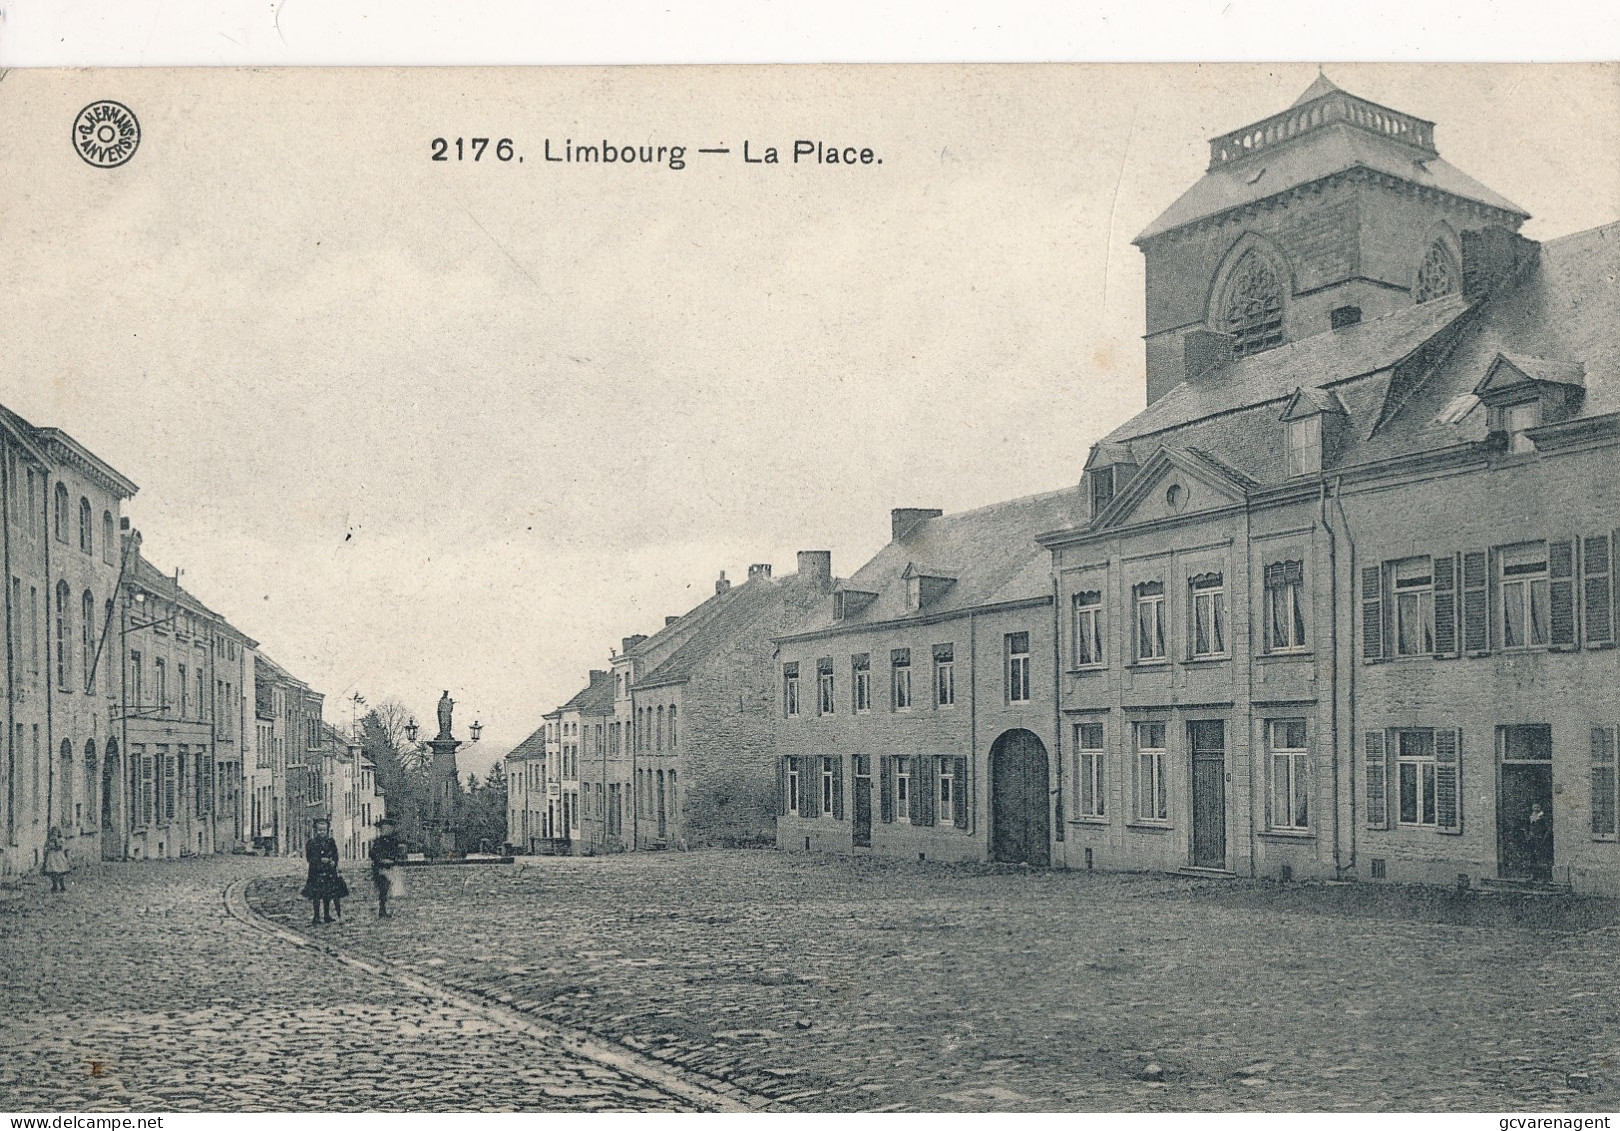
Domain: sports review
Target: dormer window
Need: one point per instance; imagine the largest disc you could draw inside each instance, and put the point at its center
(924, 586)
(1108, 468)
(1521, 393)
(1305, 446)
(1102, 489)
(1516, 420)
(1253, 311)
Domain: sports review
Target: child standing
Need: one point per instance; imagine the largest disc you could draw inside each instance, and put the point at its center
(56, 860)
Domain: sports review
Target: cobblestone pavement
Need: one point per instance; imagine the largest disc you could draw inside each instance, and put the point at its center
(838, 984)
(138, 991)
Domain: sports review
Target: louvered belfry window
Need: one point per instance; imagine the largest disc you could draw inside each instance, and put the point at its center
(1436, 276)
(1254, 306)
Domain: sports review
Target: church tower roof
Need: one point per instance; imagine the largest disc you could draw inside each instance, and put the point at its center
(1327, 131)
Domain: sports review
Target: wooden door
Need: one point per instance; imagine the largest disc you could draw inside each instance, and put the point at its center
(1019, 798)
(861, 829)
(1208, 739)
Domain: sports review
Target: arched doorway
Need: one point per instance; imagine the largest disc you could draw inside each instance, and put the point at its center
(112, 826)
(1019, 799)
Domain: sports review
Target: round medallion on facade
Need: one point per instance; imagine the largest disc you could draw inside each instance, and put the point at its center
(106, 134)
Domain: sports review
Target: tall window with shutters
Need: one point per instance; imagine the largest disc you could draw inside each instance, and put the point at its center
(829, 786)
(1526, 603)
(63, 634)
(945, 788)
(902, 790)
(1604, 782)
(1412, 581)
(1091, 771)
(1415, 777)
(792, 792)
(1285, 606)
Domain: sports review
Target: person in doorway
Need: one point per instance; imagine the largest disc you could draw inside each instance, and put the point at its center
(386, 854)
(1538, 842)
(323, 886)
(56, 864)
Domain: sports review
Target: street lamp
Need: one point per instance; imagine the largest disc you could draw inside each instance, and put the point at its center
(475, 729)
(411, 730)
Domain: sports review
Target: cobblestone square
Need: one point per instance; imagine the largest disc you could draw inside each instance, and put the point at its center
(826, 983)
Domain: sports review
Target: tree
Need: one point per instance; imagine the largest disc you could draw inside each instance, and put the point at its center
(481, 824)
(401, 772)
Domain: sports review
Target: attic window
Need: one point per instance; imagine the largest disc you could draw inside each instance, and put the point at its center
(1305, 446)
(1515, 420)
(1437, 276)
(1102, 489)
(1342, 316)
(1254, 307)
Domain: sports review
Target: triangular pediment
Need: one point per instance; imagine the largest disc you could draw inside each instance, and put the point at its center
(1511, 373)
(1176, 482)
(1313, 402)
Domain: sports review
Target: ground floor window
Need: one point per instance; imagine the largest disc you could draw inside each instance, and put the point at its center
(793, 786)
(1603, 782)
(1290, 775)
(1152, 791)
(902, 790)
(1091, 769)
(1415, 776)
(828, 784)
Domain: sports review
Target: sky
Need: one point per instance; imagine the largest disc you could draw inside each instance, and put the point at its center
(419, 425)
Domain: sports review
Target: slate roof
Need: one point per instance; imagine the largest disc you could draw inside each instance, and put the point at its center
(1333, 355)
(1558, 313)
(532, 747)
(1563, 310)
(594, 699)
(738, 609)
(1318, 153)
(991, 551)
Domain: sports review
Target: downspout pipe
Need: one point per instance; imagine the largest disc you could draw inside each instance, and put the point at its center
(1057, 716)
(1350, 677)
(1333, 669)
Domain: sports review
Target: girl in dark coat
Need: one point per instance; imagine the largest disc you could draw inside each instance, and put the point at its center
(324, 888)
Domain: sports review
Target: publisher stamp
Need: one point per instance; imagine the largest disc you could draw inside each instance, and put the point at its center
(106, 134)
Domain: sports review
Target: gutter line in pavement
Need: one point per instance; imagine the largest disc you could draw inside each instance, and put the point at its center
(714, 1096)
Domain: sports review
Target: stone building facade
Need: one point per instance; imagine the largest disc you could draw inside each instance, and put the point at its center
(916, 709)
(62, 556)
(1343, 603)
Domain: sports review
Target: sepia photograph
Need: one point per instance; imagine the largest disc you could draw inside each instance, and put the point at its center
(959, 588)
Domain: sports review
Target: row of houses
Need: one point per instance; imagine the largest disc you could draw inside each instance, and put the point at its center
(1341, 602)
(140, 723)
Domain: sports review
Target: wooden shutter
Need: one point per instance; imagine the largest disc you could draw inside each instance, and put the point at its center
(914, 809)
(838, 788)
(886, 789)
(1476, 602)
(1377, 780)
(1445, 605)
(1372, 613)
(1448, 780)
(809, 787)
(959, 807)
(1603, 783)
(781, 786)
(1561, 593)
(1597, 601)
(930, 798)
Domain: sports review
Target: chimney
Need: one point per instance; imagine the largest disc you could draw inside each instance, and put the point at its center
(815, 568)
(630, 642)
(1205, 351)
(1342, 316)
(722, 585)
(670, 620)
(597, 677)
(760, 570)
(1491, 255)
(903, 519)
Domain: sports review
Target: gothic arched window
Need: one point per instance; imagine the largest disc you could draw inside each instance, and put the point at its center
(1253, 311)
(1436, 275)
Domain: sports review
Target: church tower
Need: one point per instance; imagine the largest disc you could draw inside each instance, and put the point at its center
(1334, 211)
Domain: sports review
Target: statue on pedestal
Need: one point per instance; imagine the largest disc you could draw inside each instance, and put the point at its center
(446, 706)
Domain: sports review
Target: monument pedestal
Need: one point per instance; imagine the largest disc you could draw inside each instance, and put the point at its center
(443, 779)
